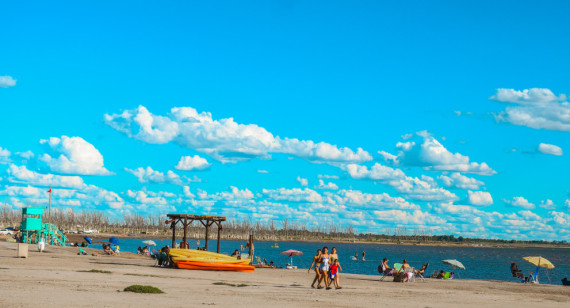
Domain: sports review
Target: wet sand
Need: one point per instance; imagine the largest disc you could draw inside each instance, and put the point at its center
(54, 279)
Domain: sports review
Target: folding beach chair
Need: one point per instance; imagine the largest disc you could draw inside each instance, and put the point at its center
(434, 275)
(419, 274)
(384, 272)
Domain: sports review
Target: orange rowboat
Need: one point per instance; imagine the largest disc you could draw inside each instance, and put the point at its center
(206, 266)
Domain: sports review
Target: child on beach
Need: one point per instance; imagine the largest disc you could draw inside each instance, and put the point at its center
(333, 259)
(334, 268)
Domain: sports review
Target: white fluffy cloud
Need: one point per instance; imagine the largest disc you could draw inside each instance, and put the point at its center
(293, 194)
(547, 204)
(416, 217)
(326, 176)
(535, 108)
(26, 155)
(520, 202)
(4, 156)
(76, 156)
(26, 191)
(481, 198)
(432, 155)
(460, 181)
(195, 162)
(302, 181)
(7, 81)
(148, 175)
(235, 197)
(550, 149)
(329, 185)
(567, 204)
(21, 174)
(424, 189)
(358, 199)
(223, 139)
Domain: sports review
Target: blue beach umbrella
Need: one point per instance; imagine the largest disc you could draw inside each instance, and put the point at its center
(89, 240)
(113, 240)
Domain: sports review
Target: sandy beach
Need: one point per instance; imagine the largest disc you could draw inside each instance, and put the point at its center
(54, 279)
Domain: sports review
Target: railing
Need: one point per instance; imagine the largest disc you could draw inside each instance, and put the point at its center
(54, 232)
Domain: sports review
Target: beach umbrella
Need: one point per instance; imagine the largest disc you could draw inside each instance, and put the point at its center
(454, 263)
(150, 243)
(89, 240)
(540, 262)
(113, 240)
(291, 253)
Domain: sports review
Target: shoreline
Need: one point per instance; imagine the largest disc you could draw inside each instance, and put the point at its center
(429, 244)
(60, 277)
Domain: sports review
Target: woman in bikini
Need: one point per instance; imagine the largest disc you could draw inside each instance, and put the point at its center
(333, 259)
(324, 267)
(316, 262)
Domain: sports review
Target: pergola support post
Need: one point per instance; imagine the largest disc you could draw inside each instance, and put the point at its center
(206, 221)
(173, 227)
(184, 243)
(219, 236)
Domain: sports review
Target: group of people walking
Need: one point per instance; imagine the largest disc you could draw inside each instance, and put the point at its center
(327, 268)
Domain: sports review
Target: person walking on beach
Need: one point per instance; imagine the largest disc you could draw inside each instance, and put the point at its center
(317, 263)
(334, 260)
(324, 267)
(335, 268)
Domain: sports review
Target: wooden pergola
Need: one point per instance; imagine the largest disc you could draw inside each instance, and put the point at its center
(186, 220)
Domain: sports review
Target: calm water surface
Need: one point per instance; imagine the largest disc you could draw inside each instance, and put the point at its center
(480, 263)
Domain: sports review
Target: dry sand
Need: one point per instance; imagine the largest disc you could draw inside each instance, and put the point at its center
(53, 279)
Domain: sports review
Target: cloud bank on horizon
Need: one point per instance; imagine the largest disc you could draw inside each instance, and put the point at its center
(422, 186)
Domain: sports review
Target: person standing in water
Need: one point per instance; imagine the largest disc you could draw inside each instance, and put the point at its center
(317, 263)
(363, 255)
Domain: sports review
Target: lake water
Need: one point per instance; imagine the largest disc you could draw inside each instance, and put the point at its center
(480, 263)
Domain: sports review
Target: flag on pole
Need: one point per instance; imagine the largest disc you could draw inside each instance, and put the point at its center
(49, 191)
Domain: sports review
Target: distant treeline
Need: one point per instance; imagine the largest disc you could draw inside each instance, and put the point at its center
(238, 229)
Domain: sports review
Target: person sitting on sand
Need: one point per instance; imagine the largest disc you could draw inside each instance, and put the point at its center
(440, 275)
(402, 270)
(316, 263)
(404, 266)
(334, 269)
(107, 249)
(324, 267)
(166, 249)
(333, 260)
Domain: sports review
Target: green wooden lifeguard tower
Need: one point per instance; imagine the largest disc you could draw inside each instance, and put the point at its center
(32, 228)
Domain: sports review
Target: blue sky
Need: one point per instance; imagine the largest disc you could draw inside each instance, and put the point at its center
(448, 102)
